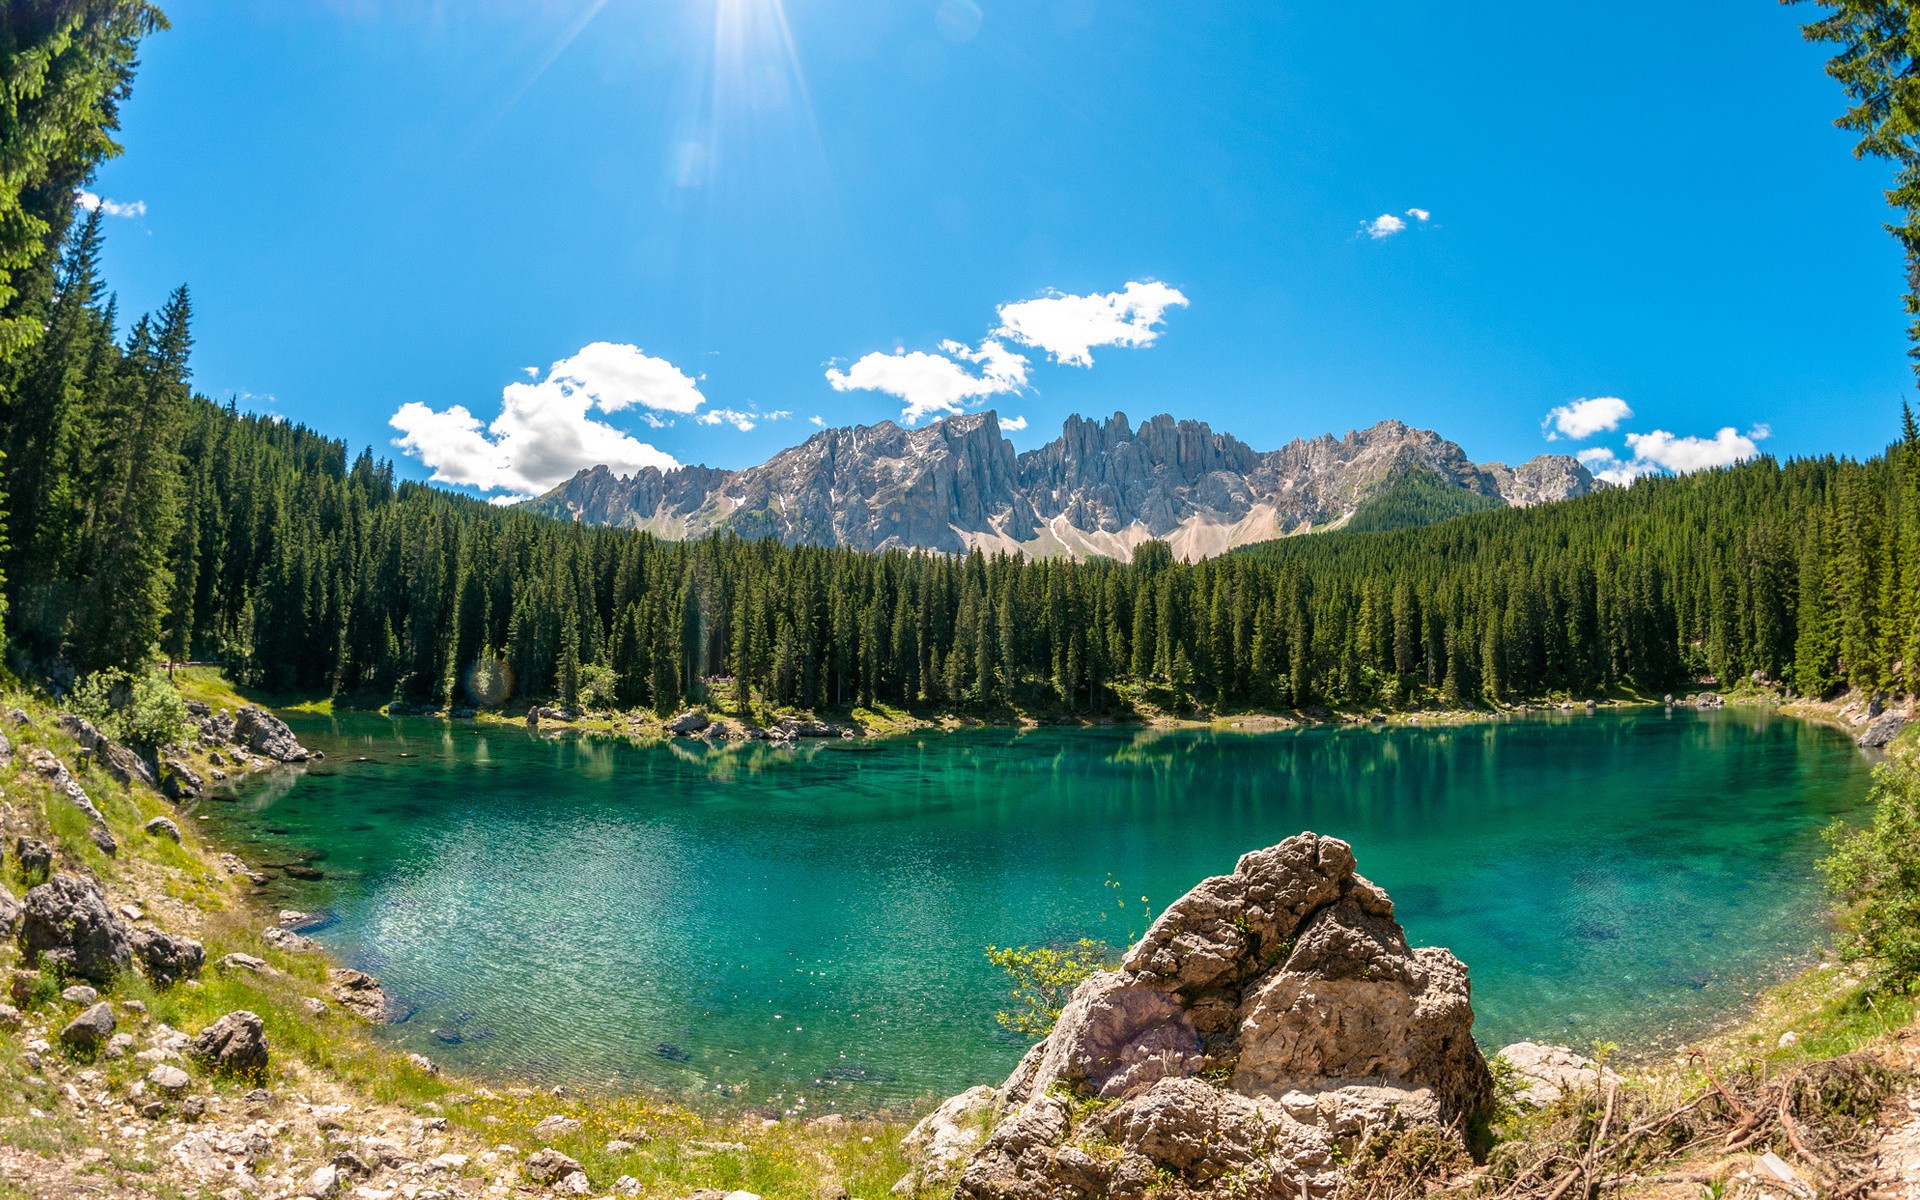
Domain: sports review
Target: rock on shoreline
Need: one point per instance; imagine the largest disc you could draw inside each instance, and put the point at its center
(1266, 1020)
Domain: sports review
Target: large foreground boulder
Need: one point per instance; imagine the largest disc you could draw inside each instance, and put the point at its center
(67, 926)
(1267, 1022)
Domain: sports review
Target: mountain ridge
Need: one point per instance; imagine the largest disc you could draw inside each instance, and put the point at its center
(1101, 488)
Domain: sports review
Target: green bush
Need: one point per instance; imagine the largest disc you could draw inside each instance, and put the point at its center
(1876, 870)
(597, 686)
(1044, 979)
(140, 710)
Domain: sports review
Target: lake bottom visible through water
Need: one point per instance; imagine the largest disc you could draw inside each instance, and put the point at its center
(766, 925)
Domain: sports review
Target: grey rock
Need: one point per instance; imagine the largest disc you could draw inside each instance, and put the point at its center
(1709, 700)
(1550, 1072)
(11, 911)
(360, 994)
(285, 939)
(55, 772)
(34, 857)
(80, 994)
(690, 722)
(178, 781)
(91, 1029)
(10, 1017)
(323, 1184)
(1101, 487)
(939, 1146)
(1290, 984)
(118, 761)
(169, 1079)
(555, 1126)
(163, 827)
(167, 958)
(67, 926)
(548, 1166)
(1882, 731)
(246, 962)
(263, 733)
(236, 1044)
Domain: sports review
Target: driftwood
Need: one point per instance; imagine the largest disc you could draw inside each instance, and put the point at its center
(1817, 1117)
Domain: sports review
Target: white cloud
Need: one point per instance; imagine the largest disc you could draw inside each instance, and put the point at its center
(1387, 224)
(819, 421)
(1586, 417)
(1070, 327)
(1660, 451)
(112, 208)
(743, 421)
(1013, 424)
(1384, 226)
(935, 383)
(544, 434)
(1683, 455)
(1608, 468)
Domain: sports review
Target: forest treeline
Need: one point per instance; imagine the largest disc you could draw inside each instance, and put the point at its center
(145, 520)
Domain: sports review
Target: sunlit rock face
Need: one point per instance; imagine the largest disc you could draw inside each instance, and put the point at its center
(1101, 487)
(1266, 1022)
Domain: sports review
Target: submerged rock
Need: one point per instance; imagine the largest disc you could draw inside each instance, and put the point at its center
(1266, 1020)
(67, 926)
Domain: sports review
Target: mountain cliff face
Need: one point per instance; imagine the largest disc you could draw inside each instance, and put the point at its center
(1101, 487)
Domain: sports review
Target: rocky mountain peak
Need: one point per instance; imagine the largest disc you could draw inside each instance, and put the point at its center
(1101, 487)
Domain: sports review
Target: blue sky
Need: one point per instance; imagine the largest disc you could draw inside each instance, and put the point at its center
(705, 207)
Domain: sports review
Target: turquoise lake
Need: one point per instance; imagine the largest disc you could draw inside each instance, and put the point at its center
(767, 924)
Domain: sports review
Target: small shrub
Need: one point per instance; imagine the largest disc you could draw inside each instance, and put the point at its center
(597, 684)
(140, 710)
(1402, 1163)
(1043, 979)
(1876, 870)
